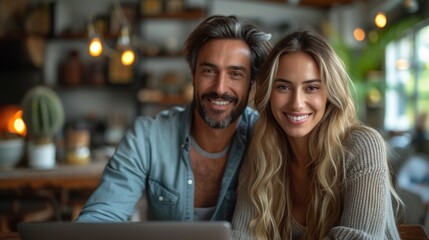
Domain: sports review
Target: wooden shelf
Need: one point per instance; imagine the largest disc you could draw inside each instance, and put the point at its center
(187, 14)
(107, 87)
(168, 101)
(162, 55)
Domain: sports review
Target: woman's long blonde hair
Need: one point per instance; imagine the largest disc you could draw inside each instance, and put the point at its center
(270, 154)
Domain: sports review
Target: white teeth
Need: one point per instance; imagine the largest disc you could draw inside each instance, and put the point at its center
(220, 102)
(297, 118)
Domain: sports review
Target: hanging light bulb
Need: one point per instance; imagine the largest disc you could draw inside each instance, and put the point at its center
(95, 47)
(380, 20)
(124, 44)
(127, 57)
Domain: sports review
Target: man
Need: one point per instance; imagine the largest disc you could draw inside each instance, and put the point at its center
(186, 160)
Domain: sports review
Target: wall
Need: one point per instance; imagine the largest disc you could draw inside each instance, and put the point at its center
(75, 15)
(272, 17)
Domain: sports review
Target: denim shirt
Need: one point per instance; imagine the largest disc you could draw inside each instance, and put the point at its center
(153, 158)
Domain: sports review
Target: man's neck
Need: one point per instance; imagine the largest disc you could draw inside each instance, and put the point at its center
(211, 139)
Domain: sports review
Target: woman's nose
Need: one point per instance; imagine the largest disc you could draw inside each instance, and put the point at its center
(297, 101)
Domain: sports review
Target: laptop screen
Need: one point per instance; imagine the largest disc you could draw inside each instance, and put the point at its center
(159, 230)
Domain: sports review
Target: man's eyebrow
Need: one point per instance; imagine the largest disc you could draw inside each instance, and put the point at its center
(211, 65)
(207, 64)
(240, 68)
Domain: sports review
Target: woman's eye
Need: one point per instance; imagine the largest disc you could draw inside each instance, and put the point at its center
(312, 88)
(282, 87)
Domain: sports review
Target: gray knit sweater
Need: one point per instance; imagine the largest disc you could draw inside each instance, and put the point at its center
(367, 213)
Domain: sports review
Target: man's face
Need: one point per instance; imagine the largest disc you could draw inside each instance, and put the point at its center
(222, 81)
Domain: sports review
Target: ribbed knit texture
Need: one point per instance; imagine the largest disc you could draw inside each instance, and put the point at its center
(367, 213)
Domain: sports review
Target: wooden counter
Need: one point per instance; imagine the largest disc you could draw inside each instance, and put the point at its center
(62, 176)
(60, 193)
(407, 232)
(412, 232)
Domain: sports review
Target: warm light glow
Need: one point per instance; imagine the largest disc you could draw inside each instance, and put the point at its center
(402, 64)
(359, 34)
(19, 126)
(16, 124)
(127, 57)
(95, 47)
(380, 20)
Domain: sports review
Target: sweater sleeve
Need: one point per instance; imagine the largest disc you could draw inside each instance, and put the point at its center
(243, 210)
(367, 208)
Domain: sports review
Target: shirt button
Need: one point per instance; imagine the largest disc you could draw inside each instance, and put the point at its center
(189, 181)
(161, 198)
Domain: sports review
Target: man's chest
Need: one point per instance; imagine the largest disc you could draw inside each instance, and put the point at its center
(208, 174)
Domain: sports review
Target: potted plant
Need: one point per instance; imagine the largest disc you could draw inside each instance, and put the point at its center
(43, 115)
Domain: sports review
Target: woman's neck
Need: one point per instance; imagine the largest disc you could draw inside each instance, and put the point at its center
(300, 151)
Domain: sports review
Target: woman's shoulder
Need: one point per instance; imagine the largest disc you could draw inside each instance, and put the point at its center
(364, 136)
(366, 148)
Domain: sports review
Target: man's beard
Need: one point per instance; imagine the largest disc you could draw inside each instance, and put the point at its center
(226, 121)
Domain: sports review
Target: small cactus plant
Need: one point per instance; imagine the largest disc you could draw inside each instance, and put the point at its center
(43, 114)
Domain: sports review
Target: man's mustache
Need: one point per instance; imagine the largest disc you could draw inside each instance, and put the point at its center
(225, 97)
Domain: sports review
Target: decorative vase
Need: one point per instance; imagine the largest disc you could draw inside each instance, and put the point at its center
(41, 156)
(71, 70)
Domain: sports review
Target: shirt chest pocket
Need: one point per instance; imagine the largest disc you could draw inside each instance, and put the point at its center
(158, 192)
(162, 200)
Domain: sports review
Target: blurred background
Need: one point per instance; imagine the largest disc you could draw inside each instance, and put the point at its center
(110, 61)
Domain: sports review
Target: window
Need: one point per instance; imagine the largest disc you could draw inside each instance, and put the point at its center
(407, 79)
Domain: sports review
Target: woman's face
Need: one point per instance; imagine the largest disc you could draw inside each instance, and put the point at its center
(298, 98)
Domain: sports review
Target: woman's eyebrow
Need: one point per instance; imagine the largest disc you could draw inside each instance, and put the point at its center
(305, 82)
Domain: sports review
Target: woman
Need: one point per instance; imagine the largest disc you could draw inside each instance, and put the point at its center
(313, 171)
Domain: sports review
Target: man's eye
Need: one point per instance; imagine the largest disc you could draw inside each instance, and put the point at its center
(236, 74)
(208, 71)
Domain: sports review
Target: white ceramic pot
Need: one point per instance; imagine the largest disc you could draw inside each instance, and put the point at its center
(41, 155)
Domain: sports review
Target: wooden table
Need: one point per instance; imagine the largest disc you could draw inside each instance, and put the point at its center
(66, 188)
(412, 232)
(62, 176)
(407, 232)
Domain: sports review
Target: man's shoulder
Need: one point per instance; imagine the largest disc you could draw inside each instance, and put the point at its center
(250, 115)
(165, 119)
(164, 115)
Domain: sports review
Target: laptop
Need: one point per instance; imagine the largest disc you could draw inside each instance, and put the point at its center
(152, 230)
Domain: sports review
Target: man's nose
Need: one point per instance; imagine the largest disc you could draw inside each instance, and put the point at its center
(221, 83)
